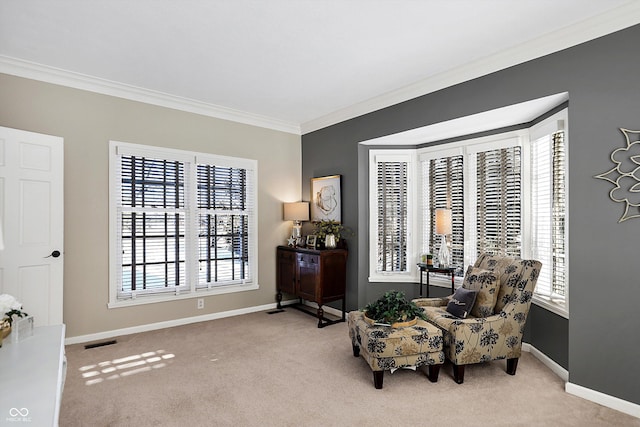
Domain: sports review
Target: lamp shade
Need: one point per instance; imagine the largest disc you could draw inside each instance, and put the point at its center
(443, 221)
(297, 211)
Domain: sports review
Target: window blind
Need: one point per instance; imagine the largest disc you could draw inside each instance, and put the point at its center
(443, 187)
(152, 225)
(499, 201)
(183, 222)
(223, 232)
(392, 193)
(549, 212)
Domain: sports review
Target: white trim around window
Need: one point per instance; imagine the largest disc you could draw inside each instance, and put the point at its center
(183, 225)
(407, 271)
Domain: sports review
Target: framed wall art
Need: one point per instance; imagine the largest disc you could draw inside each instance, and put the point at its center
(325, 199)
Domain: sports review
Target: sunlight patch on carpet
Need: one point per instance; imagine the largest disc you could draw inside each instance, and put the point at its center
(125, 366)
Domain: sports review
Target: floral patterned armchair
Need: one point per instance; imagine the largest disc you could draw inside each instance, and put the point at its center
(493, 329)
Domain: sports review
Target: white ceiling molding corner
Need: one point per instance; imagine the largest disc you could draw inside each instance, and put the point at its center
(44, 73)
(511, 115)
(614, 20)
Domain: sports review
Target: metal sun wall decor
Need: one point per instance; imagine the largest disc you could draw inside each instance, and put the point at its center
(625, 176)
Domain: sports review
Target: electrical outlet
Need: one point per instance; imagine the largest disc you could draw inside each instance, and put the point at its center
(200, 303)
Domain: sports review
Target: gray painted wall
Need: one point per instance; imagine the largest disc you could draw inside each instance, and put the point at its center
(599, 345)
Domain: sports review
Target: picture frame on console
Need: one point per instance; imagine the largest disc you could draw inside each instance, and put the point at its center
(311, 241)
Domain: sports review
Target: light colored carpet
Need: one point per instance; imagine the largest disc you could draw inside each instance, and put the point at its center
(281, 370)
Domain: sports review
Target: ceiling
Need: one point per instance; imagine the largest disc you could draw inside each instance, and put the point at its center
(291, 65)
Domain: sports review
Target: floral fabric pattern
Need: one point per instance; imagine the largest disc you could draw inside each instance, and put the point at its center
(485, 283)
(497, 336)
(387, 348)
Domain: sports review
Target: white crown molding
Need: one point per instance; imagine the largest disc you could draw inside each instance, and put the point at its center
(34, 71)
(617, 19)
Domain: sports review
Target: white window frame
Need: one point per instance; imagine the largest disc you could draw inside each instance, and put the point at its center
(548, 126)
(408, 156)
(192, 288)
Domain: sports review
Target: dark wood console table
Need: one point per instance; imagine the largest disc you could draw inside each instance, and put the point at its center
(424, 268)
(314, 275)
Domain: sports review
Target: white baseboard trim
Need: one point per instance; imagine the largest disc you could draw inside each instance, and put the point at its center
(615, 403)
(627, 407)
(170, 323)
(547, 361)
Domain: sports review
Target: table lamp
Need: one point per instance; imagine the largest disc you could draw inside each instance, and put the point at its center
(443, 227)
(296, 212)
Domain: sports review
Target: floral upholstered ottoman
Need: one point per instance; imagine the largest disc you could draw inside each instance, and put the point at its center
(387, 348)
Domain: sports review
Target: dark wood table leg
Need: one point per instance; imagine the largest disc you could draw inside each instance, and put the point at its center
(320, 313)
(453, 281)
(279, 299)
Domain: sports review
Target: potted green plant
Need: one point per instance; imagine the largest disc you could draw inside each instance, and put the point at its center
(393, 309)
(325, 228)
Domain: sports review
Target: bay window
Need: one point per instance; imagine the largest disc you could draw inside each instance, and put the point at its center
(508, 196)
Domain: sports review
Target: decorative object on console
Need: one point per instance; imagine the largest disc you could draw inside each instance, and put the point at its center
(325, 199)
(296, 212)
(325, 229)
(311, 241)
(625, 176)
(443, 228)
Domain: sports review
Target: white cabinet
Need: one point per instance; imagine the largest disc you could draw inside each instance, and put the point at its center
(32, 373)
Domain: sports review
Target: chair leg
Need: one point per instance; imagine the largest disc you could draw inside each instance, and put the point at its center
(378, 377)
(434, 370)
(458, 373)
(512, 365)
(356, 350)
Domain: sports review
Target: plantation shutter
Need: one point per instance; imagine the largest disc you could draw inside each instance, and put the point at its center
(549, 212)
(392, 193)
(443, 188)
(499, 201)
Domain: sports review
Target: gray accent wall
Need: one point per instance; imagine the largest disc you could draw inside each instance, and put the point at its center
(599, 344)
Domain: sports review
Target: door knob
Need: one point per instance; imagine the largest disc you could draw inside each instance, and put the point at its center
(54, 254)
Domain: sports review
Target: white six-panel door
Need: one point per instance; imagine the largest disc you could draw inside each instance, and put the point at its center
(31, 217)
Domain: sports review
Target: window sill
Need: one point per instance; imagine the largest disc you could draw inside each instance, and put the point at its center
(155, 298)
(550, 305)
(393, 278)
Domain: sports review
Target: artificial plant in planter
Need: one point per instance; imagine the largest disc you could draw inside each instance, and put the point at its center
(393, 309)
(327, 227)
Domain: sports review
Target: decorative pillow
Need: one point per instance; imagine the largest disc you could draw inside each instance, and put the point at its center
(461, 302)
(486, 284)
